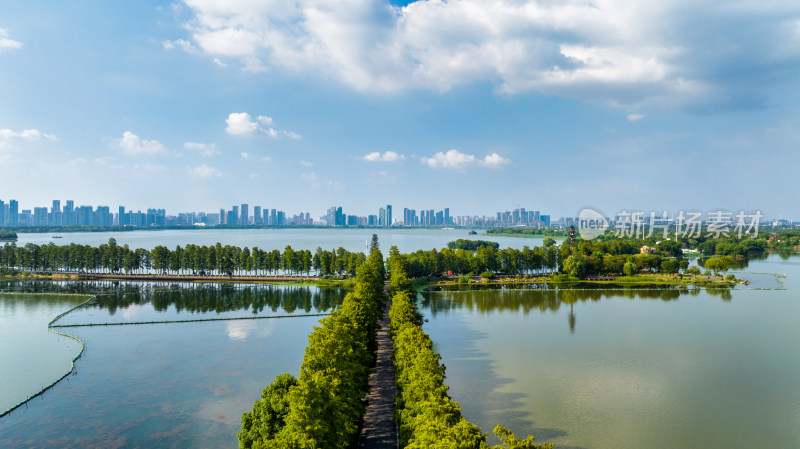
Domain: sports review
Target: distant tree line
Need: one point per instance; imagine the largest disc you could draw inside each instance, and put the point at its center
(551, 232)
(8, 235)
(603, 256)
(191, 259)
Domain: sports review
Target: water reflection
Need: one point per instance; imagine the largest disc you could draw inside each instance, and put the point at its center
(133, 302)
(546, 298)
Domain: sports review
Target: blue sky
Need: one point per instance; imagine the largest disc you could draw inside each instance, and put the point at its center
(478, 106)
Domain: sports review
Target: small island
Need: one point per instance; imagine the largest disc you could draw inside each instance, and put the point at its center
(8, 236)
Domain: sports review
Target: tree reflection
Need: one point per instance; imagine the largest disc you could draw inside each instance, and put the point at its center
(190, 297)
(544, 298)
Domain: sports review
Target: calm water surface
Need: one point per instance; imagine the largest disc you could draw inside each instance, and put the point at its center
(165, 385)
(31, 357)
(631, 369)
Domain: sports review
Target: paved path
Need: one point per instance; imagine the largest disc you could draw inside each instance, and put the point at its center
(379, 430)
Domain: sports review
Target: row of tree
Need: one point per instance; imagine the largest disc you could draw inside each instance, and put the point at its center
(511, 261)
(191, 259)
(580, 258)
(427, 416)
(321, 408)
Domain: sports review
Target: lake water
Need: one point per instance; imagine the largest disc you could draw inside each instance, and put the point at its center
(31, 357)
(628, 368)
(407, 240)
(158, 385)
(587, 368)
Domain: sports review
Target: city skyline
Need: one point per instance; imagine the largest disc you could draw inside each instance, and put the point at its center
(474, 105)
(12, 214)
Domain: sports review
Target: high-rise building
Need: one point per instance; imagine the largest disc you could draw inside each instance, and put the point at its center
(381, 217)
(68, 214)
(54, 218)
(3, 207)
(447, 221)
(123, 219)
(245, 217)
(40, 216)
(273, 217)
(104, 217)
(257, 215)
(13, 213)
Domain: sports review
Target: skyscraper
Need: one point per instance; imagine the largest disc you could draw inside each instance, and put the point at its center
(381, 217)
(3, 207)
(245, 218)
(123, 219)
(68, 214)
(388, 215)
(54, 219)
(13, 213)
(256, 215)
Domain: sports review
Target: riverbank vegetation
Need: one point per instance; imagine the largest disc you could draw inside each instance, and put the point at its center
(581, 259)
(427, 416)
(322, 407)
(529, 232)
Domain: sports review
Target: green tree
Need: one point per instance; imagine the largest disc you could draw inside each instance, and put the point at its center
(268, 415)
(629, 269)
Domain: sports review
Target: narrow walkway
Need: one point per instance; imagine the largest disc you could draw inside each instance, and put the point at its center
(379, 430)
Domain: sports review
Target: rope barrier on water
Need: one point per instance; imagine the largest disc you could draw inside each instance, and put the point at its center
(51, 325)
(197, 320)
(72, 364)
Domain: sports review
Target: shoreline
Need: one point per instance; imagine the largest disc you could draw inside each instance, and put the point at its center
(639, 279)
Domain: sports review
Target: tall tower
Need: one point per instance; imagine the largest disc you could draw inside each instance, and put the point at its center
(13, 213)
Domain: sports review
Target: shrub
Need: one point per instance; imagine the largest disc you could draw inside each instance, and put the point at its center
(487, 275)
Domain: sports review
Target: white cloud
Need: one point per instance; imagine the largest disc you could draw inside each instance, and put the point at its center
(306, 164)
(241, 124)
(495, 160)
(388, 156)
(7, 43)
(130, 143)
(219, 63)
(204, 171)
(205, 149)
(456, 160)
(613, 50)
(634, 117)
(245, 155)
(266, 158)
(182, 44)
(27, 134)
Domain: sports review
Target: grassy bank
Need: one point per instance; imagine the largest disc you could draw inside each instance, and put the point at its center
(649, 279)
